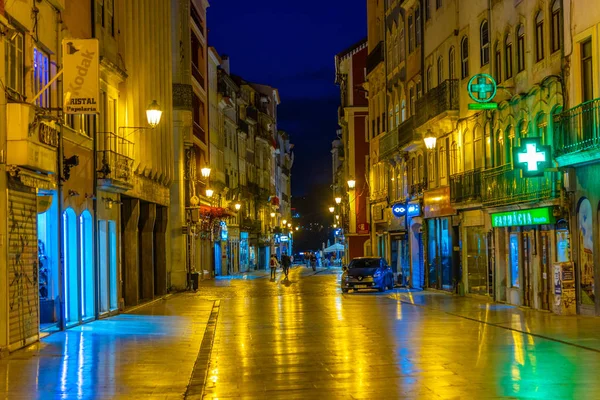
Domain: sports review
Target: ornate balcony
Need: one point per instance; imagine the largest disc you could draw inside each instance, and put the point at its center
(398, 138)
(466, 187)
(437, 101)
(251, 114)
(577, 134)
(504, 185)
(375, 57)
(417, 188)
(115, 163)
(31, 142)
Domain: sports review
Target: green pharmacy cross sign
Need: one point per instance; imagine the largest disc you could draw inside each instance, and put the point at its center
(532, 158)
(482, 88)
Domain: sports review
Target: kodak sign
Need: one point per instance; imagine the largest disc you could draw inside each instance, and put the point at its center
(81, 77)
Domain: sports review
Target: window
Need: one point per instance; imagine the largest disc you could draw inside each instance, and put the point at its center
(431, 167)
(391, 117)
(520, 48)
(403, 110)
(464, 53)
(468, 151)
(478, 148)
(13, 49)
(451, 74)
(454, 159)
(418, 25)
(438, 4)
(40, 77)
(542, 128)
(498, 63)
(443, 161)
(488, 146)
(402, 44)
(411, 96)
(539, 36)
(428, 79)
(397, 114)
(508, 57)
(587, 77)
(411, 35)
(484, 37)
(419, 89)
(556, 26)
(499, 150)
(110, 17)
(100, 12)
(421, 164)
(440, 71)
(427, 10)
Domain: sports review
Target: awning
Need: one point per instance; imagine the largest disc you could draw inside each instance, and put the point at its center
(215, 212)
(334, 248)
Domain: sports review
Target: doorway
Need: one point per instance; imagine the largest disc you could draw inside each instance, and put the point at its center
(528, 252)
(545, 264)
(48, 256)
(71, 276)
(107, 260)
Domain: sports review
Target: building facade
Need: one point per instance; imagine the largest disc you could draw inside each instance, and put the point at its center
(350, 176)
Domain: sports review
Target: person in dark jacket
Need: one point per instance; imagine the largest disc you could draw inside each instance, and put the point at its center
(285, 263)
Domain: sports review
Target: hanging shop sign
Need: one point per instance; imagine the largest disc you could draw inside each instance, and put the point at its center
(224, 231)
(482, 89)
(413, 209)
(363, 228)
(437, 203)
(81, 78)
(532, 158)
(534, 216)
(399, 210)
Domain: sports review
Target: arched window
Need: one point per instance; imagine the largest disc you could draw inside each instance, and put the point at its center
(487, 132)
(402, 43)
(539, 36)
(440, 70)
(556, 26)
(411, 35)
(468, 146)
(509, 141)
(443, 160)
(464, 56)
(451, 74)
(497, 63)
(478, 147)
(421, 165)
(411, 99)
(418, 26)
(520, 48)
(403, 110)
(454, 159)
(508, 56)
(499, 148)
(428, 79)
(541, 127)
(86, 244)
(391, 117)
(397, 115)
(523, 129)
(484, 37)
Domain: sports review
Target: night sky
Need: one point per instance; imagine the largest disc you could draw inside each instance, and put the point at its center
(291, 45)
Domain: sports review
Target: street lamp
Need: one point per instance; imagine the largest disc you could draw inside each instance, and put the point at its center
(209, 192)
(351, 183)
(430, 141)
(272, 215)
(297, 228)
(338, 200)
(237, 206)
(335, 225)
(289, 225)
(153, 114)
(337, 217)
(331, 209)
(205, 172)
(284, 222)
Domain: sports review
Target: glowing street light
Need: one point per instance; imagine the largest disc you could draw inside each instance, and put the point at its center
(289, 225)
(297, 228)
(284, 222)
(331, 209)
(430, 141)
(272, 215)
(351, 183)
(337, 217)
(153, 114)
(237, 206)
(205, 172)
(209, 192)
(338, 200)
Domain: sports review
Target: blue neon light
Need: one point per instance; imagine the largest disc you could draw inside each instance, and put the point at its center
(399, 210)
(414, 210)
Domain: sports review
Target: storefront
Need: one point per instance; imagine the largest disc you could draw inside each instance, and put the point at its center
(526, 246)
(380, 231)
(442, 240)
(414, 220)
(477, 270)
(244, 252)
(233, 249)
(400, 257)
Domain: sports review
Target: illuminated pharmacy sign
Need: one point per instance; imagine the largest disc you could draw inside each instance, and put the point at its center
(482, 88)
(532, 158)
(535, 216)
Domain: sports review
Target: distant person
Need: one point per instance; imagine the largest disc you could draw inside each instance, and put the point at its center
(274, 264)
(285, 263)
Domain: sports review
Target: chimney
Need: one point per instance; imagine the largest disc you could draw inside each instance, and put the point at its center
(225, 63)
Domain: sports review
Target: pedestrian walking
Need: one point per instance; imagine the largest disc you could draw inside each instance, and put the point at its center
(285, 263)
(274, 264)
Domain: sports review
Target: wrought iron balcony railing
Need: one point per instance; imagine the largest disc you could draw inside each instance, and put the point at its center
(466, 186)
(115, 158)
(397, 138)
(577, 130)
(416, 188)
(440, 99)
(504, 185)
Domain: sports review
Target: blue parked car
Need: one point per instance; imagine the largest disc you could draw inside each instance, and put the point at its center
(367, 273)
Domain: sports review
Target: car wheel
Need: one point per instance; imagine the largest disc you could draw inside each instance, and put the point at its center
(344, 290)
(391, 286)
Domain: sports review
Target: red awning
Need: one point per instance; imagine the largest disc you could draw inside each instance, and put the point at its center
(215, 212)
